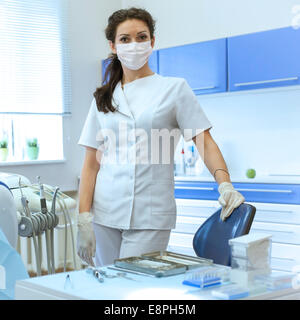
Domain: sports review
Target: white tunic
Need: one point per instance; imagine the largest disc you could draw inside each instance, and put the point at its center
(135, 184)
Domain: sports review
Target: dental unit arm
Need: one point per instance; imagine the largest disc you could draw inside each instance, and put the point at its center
(33, 218)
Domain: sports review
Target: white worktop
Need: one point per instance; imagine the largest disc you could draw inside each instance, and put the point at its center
(85, 286)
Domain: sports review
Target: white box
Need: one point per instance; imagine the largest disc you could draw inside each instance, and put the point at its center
(251, 251)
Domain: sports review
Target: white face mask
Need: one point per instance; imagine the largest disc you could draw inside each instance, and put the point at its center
(134, 55)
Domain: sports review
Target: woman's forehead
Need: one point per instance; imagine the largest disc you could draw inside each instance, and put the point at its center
(132, 26)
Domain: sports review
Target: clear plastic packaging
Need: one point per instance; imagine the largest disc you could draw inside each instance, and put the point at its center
(249, 264)
(246, 278)
(230, 292)
(207, 276)
(275, 280)
(251, 245)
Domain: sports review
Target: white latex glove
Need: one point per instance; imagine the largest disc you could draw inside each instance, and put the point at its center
(86, 241)
(229, 199)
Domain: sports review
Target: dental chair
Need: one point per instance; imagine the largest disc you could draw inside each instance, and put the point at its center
(211, 239)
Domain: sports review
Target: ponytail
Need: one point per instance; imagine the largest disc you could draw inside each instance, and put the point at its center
(112, 76)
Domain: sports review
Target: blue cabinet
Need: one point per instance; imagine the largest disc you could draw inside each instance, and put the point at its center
(202, 64)
(105, 63)
(253, 192)
(153, 61)
(264, 59)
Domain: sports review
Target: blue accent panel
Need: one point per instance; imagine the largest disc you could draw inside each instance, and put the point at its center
(153, 61)
(104, 65)
(182, 190)
(253, 192)
(269, 56)
(202, 64)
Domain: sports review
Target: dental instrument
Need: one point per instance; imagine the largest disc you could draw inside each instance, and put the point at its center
(34, 225)
(56, 220)
(44, 211)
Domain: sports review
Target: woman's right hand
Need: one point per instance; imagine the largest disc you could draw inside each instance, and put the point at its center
(86, 241)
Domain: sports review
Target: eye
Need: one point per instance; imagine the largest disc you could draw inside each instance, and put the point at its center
(143, 37)
(123, 39)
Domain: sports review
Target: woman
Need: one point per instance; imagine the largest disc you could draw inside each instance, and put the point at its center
(127, 206)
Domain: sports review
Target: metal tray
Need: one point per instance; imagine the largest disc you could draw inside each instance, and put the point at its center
(189, 262)
(149, 265)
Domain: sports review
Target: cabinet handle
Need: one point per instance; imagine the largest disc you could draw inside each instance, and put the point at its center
(283, 175)
(272, 210)
(204, 88)
(271, 231)
(264, 81)
(265, 190)
(196, 188)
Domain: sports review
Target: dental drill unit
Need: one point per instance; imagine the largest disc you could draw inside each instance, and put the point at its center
(35, 224)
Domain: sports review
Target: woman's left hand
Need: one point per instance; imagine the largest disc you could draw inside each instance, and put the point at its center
(229, 199)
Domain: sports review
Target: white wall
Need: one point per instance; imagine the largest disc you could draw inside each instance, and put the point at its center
(257, 129)
(180, 22)
(88, 19)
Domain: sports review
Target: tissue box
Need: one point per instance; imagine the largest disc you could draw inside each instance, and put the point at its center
(252, 251)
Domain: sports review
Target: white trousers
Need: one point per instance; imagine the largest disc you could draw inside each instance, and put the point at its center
(114, 243)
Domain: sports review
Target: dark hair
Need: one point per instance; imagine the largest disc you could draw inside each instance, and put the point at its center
(114, 71)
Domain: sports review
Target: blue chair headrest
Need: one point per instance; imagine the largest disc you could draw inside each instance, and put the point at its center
(211, 239)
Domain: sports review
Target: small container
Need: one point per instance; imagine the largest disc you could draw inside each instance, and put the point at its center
(231, 292)
(248, 264)
(251, 246)
(207, 276)
(275, 280)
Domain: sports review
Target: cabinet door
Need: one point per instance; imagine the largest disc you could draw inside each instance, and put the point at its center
(202, 64)
(264, 59)
(153, 61)
(105, 63)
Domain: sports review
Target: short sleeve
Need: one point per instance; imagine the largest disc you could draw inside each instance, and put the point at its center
(190, 117)
(91, 130)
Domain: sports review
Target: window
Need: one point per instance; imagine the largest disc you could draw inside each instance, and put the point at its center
(35, 87)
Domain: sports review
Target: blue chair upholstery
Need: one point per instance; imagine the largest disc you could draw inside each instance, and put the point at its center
(211, 239)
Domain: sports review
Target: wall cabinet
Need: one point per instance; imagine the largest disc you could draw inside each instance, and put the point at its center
(282, 220)
(264, 59)
(202, 64)
(153, 61)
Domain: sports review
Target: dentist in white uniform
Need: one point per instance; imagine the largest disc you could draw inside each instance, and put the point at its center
(126, 196)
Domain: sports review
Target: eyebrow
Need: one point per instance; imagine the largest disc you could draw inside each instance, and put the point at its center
(125, 34)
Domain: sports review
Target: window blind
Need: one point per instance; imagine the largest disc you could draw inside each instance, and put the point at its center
(34, 57)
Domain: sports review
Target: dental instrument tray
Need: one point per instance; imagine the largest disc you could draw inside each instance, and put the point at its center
(189, 261)
(158, 268)
(161, 263)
